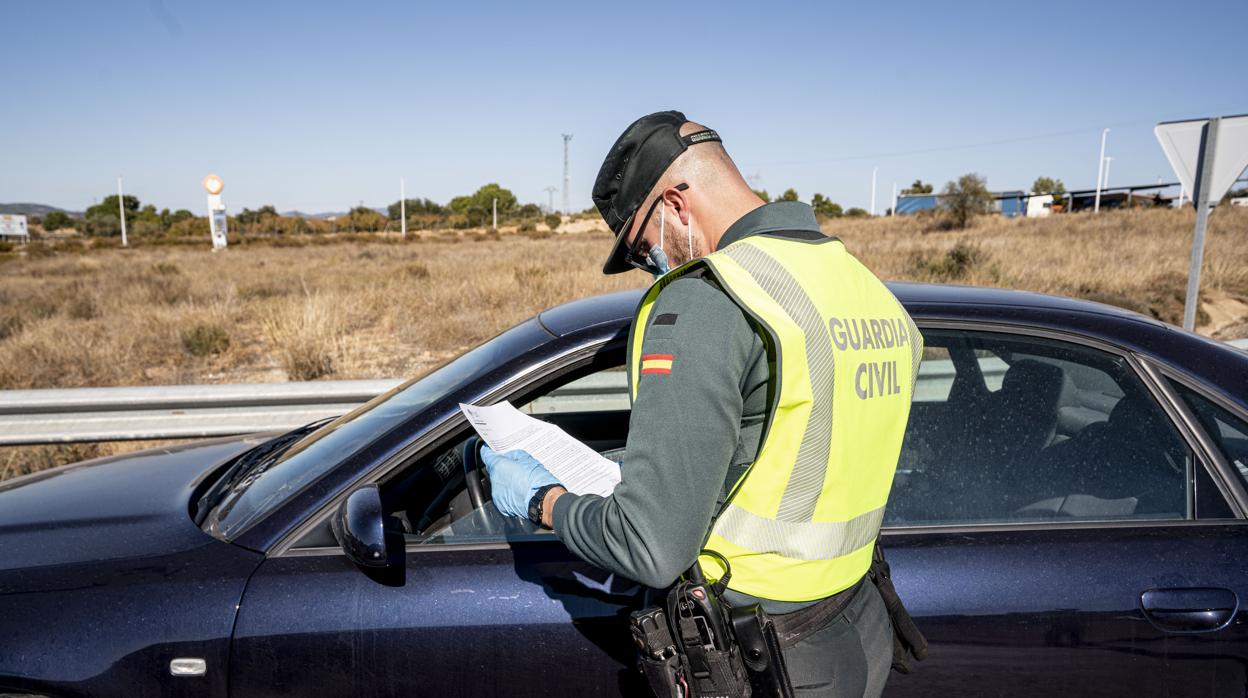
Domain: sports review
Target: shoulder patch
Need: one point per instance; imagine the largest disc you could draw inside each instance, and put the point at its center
(656, 363)
(665, 319)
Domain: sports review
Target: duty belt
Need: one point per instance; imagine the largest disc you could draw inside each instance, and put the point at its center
(793, 627)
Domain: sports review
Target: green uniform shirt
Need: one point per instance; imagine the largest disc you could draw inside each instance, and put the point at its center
(691, 433)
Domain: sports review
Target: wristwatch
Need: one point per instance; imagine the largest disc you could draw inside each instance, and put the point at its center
(535, 504)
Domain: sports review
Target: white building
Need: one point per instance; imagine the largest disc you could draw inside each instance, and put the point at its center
(14, 226)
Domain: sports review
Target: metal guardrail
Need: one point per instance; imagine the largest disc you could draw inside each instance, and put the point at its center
(77, 415)
(174, 412)
(30, 417)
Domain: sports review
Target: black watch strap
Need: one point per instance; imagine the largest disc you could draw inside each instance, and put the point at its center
(535, 504)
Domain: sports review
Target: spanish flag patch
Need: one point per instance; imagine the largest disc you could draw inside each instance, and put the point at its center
(656, 363)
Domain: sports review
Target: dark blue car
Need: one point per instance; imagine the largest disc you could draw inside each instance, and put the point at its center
(1068, 517)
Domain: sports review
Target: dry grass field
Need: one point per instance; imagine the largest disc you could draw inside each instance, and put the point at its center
(382, 307)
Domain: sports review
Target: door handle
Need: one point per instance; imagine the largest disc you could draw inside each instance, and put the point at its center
(1190, 610)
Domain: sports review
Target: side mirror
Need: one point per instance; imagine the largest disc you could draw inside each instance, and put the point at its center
(359, 526)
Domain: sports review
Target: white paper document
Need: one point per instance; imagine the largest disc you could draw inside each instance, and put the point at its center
(580, 468)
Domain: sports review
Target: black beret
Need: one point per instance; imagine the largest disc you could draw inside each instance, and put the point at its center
(634, 165)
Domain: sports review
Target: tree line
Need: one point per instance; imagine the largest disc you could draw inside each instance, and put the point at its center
(473, 210)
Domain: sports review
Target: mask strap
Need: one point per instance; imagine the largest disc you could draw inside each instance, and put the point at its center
(662, 210)
(689, 234)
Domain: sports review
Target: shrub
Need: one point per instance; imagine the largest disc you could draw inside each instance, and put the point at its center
(956, 263)
(167, 289)
(553, 221)
(530, 276)
(307, 333)
(103, 224)
(10, 325)
(205, 339)
(82, 305)
(190, 227)
(56, 220)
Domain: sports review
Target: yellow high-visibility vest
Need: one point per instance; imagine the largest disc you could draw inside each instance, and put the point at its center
(801, 522)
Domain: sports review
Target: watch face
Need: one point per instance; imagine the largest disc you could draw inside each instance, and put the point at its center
(535, 504)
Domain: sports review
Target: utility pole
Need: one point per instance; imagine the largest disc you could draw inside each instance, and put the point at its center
(121, 205)
(567, 180)
(874, 170)
(1108, 161)
(403, 206)
(1100, 173)
(550, 195)
(893, 211)
(496, 213)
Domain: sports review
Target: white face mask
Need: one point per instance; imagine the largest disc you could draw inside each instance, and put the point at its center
(658, 257)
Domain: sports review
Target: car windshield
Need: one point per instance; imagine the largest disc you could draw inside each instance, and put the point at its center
(273, 482)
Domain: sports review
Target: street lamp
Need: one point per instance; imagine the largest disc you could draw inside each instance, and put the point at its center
(1100, 173)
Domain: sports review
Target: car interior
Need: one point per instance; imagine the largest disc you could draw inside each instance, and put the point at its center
(1032, 429)
(444, 497)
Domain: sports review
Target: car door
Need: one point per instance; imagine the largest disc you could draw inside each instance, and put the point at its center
(1055, 529)
(474, 603)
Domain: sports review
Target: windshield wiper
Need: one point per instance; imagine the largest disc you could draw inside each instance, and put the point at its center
(249, 462)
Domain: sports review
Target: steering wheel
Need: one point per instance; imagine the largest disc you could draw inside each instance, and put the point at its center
(474, 469)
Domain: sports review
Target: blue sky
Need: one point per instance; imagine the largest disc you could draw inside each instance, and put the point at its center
(318, 106)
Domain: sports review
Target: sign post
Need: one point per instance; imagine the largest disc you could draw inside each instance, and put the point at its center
(1208, 155)
(216, 211)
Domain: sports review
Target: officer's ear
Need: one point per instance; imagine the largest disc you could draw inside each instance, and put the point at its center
(678, 198)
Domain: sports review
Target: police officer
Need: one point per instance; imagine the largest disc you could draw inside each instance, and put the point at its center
(771, 376)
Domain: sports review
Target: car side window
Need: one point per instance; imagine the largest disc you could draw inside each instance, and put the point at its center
(1026, 429)
(1228, 431)
(431, 498)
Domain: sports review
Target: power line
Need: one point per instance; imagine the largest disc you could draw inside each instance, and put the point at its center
(963, 146)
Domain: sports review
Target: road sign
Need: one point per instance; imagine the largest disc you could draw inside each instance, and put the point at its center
(216, 211)
(1181, 141)
(13, 225)
(1208, 155)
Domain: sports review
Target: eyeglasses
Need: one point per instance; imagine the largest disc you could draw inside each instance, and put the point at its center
(634, 255)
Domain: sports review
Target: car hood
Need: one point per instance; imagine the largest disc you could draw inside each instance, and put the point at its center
(124, 506)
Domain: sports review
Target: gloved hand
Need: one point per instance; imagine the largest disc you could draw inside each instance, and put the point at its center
(514, 478)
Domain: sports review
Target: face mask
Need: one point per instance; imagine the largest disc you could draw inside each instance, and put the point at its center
(659, 259)
(657, 256)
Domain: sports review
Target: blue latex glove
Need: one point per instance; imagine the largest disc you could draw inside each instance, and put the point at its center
(514, 478)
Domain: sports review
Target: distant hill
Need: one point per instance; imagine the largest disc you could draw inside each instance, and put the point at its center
(35, 210)
(328, 214)
(315, 216)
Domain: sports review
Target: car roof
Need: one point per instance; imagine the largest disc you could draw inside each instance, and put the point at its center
(921, 300)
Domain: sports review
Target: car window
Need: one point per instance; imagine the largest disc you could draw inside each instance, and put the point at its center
(431, 499)
(603, 391)
(1034, 430)
(1227, 430)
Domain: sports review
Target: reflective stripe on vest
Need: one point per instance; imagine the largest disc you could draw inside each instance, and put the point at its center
(800, 523)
